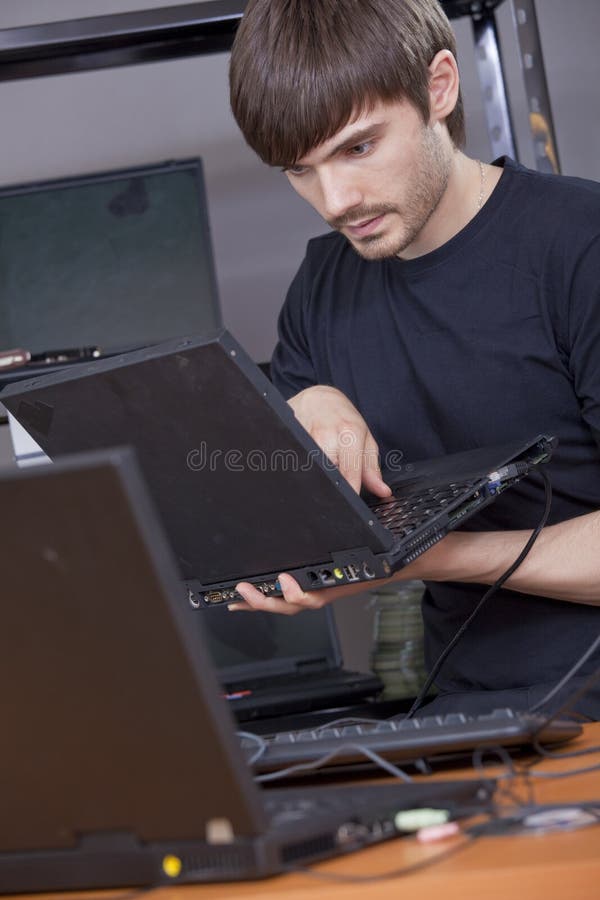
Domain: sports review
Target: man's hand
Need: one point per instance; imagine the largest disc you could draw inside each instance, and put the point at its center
(430, 565)
(294, 599)
(338, 428)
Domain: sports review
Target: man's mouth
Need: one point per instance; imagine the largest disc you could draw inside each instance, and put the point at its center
(366, 227)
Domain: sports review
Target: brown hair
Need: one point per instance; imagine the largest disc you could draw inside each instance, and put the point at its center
(302, 69)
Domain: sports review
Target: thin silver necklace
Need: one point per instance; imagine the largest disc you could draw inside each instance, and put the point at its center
(482, 174)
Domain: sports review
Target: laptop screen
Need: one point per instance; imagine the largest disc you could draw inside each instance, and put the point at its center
(220, 450)
(114, 260)
(244, 645)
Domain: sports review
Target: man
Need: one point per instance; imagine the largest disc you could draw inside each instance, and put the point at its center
(454, 305)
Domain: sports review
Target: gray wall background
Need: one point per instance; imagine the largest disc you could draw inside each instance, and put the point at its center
(73, 124)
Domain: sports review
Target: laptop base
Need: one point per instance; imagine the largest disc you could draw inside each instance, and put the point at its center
(341, 820)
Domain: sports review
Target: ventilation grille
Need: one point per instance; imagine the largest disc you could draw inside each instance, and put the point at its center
(316, 846)
(222, 858)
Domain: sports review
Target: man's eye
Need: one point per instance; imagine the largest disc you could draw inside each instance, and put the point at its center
(361, 149)
(294, 170)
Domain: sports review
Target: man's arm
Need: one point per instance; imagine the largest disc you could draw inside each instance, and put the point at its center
(564, 562)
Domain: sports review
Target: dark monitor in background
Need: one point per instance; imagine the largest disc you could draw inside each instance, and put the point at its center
(117, 260)
(254, 645)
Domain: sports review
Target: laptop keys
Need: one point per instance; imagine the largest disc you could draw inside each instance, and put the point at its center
(403, 515)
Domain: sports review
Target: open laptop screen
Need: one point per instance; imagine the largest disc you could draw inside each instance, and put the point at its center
(260, 644)
(117, 260)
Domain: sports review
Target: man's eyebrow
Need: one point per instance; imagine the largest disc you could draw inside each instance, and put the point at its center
(358, 137)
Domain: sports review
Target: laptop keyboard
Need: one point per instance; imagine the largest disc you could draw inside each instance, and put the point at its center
(403, 740)
(403, 515)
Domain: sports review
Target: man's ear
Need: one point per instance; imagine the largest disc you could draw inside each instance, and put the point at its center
(444, 84)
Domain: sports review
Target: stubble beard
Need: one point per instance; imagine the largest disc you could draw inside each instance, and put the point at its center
(422, 199)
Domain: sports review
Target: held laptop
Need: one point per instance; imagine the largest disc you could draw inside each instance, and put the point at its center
(243, 490)
(120, 763)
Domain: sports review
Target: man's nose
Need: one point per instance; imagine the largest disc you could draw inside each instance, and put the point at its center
(340, 195)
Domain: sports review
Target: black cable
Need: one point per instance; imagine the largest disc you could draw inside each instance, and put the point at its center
(566, 678)
(573, 698)
(507, 784)
(542, 752)
(558, 775)
(570, 754)
(491, 590)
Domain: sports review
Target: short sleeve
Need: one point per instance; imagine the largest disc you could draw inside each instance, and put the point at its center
(292, 369)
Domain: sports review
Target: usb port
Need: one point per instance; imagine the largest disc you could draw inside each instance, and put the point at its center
(351, 572)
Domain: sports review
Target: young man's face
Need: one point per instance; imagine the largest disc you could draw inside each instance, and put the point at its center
(378, 180)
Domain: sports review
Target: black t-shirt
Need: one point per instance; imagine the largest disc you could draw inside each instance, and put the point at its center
(494, 336)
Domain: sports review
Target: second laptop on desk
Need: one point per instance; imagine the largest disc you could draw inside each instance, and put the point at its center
(273, 666)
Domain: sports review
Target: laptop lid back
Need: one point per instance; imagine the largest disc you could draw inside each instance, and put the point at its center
(109, 733)
(241, 487)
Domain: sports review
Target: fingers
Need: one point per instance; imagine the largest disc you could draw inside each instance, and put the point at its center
(294, 599)
(371, 472)
(354, 451)
(351, 442)
(343, 445)
(338, 428)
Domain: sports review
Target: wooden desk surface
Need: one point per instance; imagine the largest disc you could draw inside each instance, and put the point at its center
(557, 866)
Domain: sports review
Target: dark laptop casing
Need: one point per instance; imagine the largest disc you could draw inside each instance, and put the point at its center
(119, 763)
(272, 666)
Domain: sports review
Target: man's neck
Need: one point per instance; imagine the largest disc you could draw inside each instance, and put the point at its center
(469, 187)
